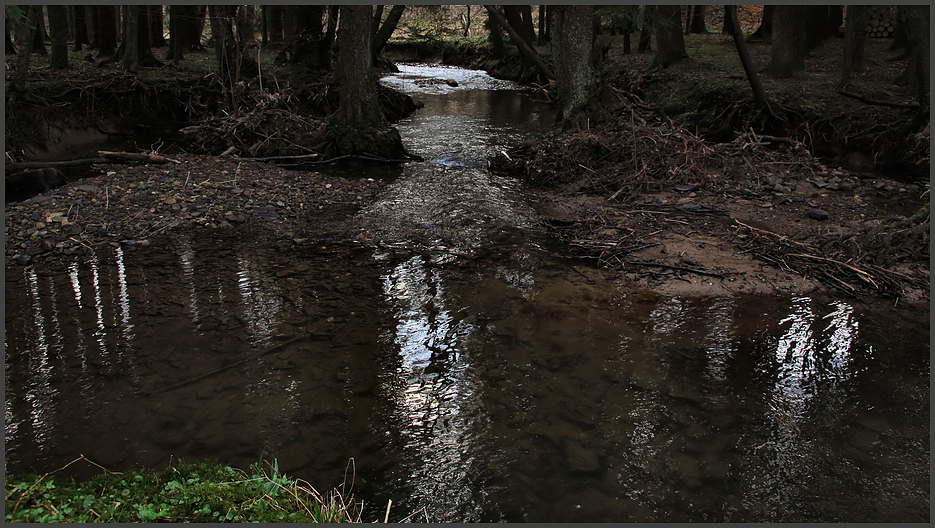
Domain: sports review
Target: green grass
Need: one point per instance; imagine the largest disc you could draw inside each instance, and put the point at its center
(185, 492)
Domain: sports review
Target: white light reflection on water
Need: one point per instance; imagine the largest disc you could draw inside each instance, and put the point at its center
(39, 393)
(262, 306)
(187, 257)
(720, 341)
(430, 390)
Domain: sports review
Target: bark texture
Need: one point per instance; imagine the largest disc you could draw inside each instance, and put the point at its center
(574, 35)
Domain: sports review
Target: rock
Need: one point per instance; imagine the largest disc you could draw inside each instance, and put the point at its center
(89, 187)
(23, 260)
(817, 214)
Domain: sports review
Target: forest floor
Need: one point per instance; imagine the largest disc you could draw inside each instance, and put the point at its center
(637, 191)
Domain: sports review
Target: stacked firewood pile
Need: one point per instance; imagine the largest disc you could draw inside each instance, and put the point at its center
(881, 23)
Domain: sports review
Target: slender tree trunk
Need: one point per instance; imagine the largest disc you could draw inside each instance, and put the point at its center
(789, 49)
(521, 44)
(646, 32)
(854, 39)
(81, 27)
(496, 36)
(574, 29)
(58, 31)
(670, 45)
(377, 18)
(246, 31)
(18, 79)
(274, 24)
(759, 93)
(467, 21)
(382, 35)
(515, 21)
(529, 31)
(157, 38)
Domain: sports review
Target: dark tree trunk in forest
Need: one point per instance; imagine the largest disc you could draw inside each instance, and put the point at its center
(854, 39)
(670, 45)
(571, 47)
(764, 33)
(81, 27)
(917, 20)
(274, 24)
(646, 29)
(18, 79)
(496, 36)
(383, 34)
(246, 31)
(542, 25)
(38, 42)
(529, 31)
(106, 32)
(698, 25)
(131, 39)
(328, 42)
(821, 23)
(184, 30)
(733, 25)
(309, 30)
(157, 38)
(377, 18)
(789, 50)
(10, 48)
(515, 20)
(58, 31)
(358, 106)
(226, 51)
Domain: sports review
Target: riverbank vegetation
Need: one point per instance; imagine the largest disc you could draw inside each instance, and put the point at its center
(182, 492)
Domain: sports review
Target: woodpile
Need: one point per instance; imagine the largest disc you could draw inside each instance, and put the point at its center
(881, 23)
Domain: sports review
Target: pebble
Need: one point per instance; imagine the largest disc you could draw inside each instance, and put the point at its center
(817, 214)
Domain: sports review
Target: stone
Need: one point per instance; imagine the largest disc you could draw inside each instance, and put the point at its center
(581, 459)
(817, 214)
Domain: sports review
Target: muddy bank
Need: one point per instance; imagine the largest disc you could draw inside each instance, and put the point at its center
(131, 205)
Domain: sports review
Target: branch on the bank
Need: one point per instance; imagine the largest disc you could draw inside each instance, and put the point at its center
(878, 102)
(105, 157)
(680, 268)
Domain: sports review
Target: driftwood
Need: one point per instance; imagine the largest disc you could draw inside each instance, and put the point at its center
(105, 157)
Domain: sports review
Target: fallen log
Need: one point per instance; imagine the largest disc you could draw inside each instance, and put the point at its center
(105, 158)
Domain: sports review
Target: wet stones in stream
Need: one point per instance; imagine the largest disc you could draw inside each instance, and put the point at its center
(131, 205)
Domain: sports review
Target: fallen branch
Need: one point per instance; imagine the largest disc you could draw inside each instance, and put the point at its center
(133, 156)
(877, 102)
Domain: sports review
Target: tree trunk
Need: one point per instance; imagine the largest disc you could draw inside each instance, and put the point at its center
(574, 32)
(358, 106)
(529, 31)
(733, 25)
(309, 29)
(144, 44)
(670, 45)
(38, 43)
(106, 32)
(646, 32)
(18, 79)
(698, 25)
(274, 24)
(854, 40)
(377, 18)
(131, 39)
(330, 33)
(524, 48)
(81, 28)
(764, 33)
(916, 19)
(58, 31)
(789, 49)
(225, 46)
(542, 23)
(820, 24)
(515, 21)
(157, 38)
(382, 35)
(246, 31)
(496, 36)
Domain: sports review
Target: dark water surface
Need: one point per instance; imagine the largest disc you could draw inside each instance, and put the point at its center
(471, 372)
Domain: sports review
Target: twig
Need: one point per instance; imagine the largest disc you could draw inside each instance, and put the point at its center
(680, 268)
(877, 102)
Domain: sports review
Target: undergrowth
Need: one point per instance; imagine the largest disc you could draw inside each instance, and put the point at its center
(185, 492)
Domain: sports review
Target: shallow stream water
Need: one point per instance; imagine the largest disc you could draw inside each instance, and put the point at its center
(469, 370)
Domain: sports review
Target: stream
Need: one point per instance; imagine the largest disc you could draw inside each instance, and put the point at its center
(454, 361)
